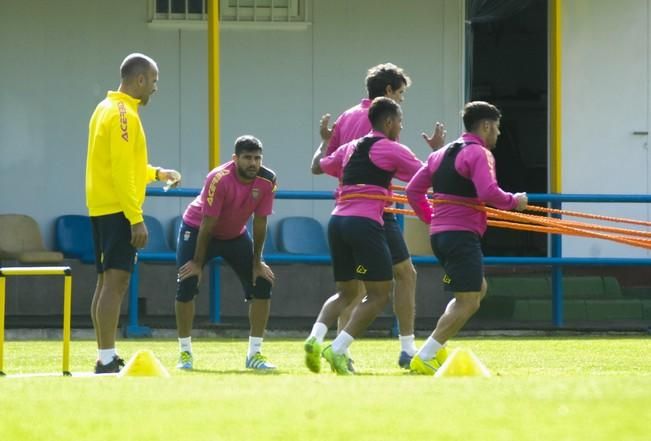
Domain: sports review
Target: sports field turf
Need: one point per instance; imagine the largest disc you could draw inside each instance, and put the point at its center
(584, 388)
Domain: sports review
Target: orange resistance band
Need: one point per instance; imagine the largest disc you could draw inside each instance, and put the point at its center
(537, 223)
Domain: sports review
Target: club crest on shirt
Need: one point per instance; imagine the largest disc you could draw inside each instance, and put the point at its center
(255, 193)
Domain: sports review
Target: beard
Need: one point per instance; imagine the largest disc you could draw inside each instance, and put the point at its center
(247, 173)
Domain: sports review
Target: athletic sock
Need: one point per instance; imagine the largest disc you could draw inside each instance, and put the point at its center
(255, 346)
(185, 344)
(429, 349)
(342, 342)
(408, 345)
(106, 355)
(319, 330)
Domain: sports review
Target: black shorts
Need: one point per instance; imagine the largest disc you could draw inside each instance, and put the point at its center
(359, 249)
(238, 253)
(459, 253)
(112, 241)
(395, 239)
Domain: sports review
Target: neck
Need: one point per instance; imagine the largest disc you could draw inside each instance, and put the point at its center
(128, 90)
(480, 136)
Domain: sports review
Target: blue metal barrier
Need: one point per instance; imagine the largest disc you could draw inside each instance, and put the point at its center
(556, 261)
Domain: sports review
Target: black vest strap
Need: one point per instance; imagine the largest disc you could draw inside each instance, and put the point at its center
(447, 180)
(361, 170)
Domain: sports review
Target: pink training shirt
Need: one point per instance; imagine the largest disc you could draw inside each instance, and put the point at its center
(232, 202)
(351, 124)
(386, 154)
(474, 162)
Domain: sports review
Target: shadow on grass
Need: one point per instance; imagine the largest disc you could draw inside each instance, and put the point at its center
(233, 371)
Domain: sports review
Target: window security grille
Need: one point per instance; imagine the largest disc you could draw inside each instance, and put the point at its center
(230, 11)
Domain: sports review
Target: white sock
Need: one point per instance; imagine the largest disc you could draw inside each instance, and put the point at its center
(407, 344)
(429, 349)
(185, 344)
(106, 355)
(319, 330)
(342, 342)
(255, 346)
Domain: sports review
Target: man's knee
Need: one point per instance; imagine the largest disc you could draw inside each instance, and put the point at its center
(469, 302)
(187, 290)
(185, 297)
(261, 290)
(404, 272)
(114, 280)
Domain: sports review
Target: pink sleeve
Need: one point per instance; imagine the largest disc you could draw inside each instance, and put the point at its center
(408, 164)
(417, 192)
(335, 139)
(393, 156)
(333, 164)
(265, 207)
(479, 165)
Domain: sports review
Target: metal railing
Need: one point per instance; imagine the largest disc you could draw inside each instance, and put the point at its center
(555, 259)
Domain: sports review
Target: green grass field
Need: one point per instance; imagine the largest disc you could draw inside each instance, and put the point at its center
(542, 389)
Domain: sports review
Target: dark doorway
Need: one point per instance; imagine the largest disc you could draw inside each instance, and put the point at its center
(506, 65)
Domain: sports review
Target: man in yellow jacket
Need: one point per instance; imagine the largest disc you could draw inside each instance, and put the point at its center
(117, 172)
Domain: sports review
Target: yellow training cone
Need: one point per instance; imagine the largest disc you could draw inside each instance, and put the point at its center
(462, 363)
(144, 364)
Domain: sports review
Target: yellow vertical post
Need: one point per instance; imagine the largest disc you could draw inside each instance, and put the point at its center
(213, 83)
(2, 322)
(67, 305)
(555, 83)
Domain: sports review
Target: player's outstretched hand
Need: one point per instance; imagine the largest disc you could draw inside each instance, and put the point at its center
(172, 178)
(437, 140)
(324, 128)
(523, 201)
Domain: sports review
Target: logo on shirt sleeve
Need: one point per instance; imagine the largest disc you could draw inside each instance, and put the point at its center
(123, 121)
(213, 185)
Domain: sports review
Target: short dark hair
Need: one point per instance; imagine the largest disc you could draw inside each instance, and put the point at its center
(476, 111)
(247, 143)
(381, 109)
(136, 64)
(383, 75)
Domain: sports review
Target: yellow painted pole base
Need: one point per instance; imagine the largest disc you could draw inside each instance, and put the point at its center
(462, 363)
(144, 364)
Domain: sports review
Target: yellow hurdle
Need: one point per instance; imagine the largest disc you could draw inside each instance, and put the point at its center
(67, 304)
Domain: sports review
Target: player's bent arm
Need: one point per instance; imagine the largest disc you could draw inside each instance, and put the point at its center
(260, 269)
(316, 159)
(203, 239)
(417, 194)
(259, 236)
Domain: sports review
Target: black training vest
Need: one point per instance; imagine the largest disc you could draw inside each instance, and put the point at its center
(447, 179)
(360, 169)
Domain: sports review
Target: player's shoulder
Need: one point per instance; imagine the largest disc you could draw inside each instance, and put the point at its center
(267, 174)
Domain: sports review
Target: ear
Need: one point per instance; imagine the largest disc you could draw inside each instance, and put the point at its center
(388, 90)
(234, 157)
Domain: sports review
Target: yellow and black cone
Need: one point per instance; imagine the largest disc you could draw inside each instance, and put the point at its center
(462, 363)
(144, 364)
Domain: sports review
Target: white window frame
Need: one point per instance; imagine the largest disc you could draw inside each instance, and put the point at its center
(232, 15)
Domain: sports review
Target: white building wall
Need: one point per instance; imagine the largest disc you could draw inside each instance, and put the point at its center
(60, 58)
(605, 113)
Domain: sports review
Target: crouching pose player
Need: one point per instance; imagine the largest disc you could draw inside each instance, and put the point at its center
(463, 171)
(214, 224)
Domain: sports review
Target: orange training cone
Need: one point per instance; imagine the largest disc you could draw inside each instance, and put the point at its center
(144, 364)
(462, 363)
